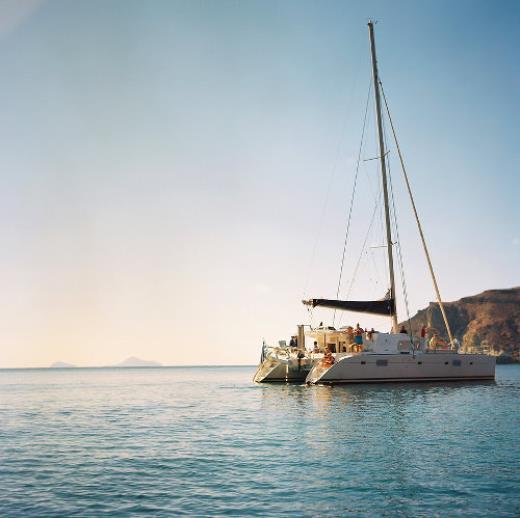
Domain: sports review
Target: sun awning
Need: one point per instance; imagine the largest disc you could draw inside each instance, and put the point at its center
(377, 307)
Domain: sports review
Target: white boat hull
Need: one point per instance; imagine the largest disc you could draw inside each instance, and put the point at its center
(377, 368)
(283, 371)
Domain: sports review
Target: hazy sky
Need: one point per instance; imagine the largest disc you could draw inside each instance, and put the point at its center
(175, 175)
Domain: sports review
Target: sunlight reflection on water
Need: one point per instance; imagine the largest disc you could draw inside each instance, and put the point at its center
(207, 441)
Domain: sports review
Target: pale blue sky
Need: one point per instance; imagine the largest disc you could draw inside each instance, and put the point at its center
(165, 166)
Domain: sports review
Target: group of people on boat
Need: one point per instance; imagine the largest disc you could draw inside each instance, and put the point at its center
(433, 343)
(354, 339)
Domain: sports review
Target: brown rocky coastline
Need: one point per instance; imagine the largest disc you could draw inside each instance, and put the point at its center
(486, 323)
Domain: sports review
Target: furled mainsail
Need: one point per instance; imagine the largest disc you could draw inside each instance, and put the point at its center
(377, 307)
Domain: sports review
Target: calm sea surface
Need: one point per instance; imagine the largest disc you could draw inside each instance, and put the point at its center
(208, 442)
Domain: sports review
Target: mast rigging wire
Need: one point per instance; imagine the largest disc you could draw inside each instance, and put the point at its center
(372, 219)
(329, 186)
(398, 244)
(419, 226)
(349, 219)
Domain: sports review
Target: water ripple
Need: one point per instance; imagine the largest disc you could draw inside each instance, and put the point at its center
(208, 442)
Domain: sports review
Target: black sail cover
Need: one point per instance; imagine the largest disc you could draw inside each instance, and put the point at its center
(377, 307)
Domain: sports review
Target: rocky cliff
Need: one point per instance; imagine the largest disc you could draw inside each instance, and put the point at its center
(488, 322)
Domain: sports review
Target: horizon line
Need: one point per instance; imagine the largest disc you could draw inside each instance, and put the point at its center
(74, 367)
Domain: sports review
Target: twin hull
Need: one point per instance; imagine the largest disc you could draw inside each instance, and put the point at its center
(372, 368)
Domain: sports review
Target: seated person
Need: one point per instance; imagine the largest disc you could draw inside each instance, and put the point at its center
(328, 358)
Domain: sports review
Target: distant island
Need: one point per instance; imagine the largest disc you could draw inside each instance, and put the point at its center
(62, 365)
(137, 362)
(485, 323)
(132, 361)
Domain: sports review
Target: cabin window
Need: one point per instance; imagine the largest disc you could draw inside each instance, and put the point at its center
(471, 363)
(456, 363)
(446, 363)
(363, 363)
(419, 363)
(381, 363)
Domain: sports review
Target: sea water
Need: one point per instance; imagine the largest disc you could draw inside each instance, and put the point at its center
(209, 442)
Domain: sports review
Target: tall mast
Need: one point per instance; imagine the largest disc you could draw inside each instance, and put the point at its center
(383, 170)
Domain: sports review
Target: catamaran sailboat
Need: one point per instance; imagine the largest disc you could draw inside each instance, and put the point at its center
(377, 356)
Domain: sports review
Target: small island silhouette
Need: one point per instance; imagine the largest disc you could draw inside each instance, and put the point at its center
(62, 365)
(132, 361)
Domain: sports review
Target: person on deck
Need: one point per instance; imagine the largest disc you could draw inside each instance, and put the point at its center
(328, 359)
(403, 330)
(358, 338)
